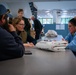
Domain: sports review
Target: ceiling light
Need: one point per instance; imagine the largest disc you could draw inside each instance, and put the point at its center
(47, 11)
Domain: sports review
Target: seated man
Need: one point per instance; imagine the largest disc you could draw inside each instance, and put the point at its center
(19, 25)
(11, 45)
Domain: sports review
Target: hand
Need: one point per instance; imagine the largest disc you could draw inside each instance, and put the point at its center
(11, 28)
(28, 45)
(63, 39)
(31, 44)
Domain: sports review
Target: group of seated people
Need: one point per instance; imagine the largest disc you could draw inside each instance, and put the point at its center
(23, 28)
(14, 39)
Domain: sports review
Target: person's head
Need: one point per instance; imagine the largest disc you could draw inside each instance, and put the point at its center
(32, 17)
(20, 13)
(72, 25)
(3, 16)
(18, 24)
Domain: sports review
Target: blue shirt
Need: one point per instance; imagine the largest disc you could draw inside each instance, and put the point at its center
(72, 41)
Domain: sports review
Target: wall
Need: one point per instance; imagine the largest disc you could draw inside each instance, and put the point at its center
(14, 6)
(5, 4)
(64, 5)
(53, 27)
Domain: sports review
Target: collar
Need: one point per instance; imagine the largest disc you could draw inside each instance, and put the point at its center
(74, 34)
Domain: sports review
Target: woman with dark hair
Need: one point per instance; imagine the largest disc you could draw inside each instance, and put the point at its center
(71, 37)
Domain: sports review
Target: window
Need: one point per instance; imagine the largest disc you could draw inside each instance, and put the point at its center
(46, 20)
(65, 20)
(62, 20)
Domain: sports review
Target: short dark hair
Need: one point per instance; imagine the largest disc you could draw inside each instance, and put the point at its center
(20, 10)
(73, 21)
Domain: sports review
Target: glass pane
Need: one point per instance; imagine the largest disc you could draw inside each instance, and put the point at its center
(48, 21)
(63, 21)
(67, 19)
(51, 20)
(44, 21)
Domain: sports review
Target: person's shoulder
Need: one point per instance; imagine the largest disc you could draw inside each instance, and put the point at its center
(75, 35)
(69, 34)
(25, 18)
(36, 19)
(2, 30)
(24, 33)
(4, 33)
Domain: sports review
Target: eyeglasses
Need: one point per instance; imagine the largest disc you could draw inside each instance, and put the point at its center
(22, 24)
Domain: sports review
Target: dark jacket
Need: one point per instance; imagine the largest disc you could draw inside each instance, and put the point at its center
(26, 37)
(27, 25)
(37, 25)
(11, 45)
(38, 28)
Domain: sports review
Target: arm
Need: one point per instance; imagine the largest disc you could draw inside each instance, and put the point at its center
(72, 45)
(11, 45)
(68, 37)
(30, 39)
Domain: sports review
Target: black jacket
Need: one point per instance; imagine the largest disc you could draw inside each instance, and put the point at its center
(26, 37)
(27, 24)
(30, 39)
(37, 25)
(11, 45)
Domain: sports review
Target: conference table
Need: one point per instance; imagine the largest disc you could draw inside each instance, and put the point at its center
(41, 62)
